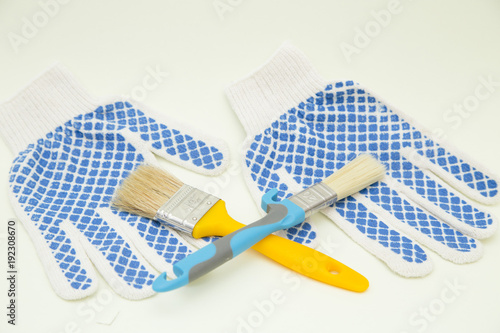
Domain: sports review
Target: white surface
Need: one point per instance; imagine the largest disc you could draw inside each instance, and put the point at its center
(429, 57)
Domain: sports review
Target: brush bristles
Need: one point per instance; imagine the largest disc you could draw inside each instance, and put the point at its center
(361, 172)
(145, 190)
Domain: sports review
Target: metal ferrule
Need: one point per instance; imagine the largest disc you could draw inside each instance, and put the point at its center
(185, 208)
(314, 198)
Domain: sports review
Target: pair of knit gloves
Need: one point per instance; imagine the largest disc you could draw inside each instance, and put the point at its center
(71, 152)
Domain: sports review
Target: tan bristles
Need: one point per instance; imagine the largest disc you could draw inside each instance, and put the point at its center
(145, 190)
(361, 172)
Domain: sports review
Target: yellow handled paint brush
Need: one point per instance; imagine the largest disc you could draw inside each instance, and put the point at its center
(156, 194)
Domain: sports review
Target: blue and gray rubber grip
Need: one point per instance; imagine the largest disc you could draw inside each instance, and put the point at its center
(280, 215)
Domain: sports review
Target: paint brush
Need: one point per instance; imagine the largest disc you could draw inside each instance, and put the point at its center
(156, 194)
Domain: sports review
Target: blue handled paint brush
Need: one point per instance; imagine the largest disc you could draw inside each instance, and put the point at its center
(354, 176)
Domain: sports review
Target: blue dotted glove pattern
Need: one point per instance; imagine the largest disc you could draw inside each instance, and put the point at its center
(76, 168)
(323, 133)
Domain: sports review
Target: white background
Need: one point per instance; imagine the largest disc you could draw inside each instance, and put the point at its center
(428, 57)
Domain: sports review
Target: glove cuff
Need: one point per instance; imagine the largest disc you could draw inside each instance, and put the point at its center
(49, 101)
(280, 84)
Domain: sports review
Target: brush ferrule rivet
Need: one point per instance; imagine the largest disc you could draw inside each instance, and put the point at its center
(185, 208)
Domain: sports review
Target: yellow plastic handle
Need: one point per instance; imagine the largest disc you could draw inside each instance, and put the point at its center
(297, 257)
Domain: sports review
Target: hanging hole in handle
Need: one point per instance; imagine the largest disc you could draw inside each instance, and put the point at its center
(312, 265)
(333, 268)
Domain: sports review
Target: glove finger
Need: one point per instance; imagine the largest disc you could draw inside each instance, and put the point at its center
(305, 232)
(474, 181)
(161, 246)
(427, 190)
(69, 271)
(448, 164)
(402, 254)
(397, 210)
(114, 256)
(68, 251)
(360, 122)
(268, 177)
(174, 142)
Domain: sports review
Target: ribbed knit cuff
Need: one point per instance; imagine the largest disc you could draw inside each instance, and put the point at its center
(49, 101)
(284, 81)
